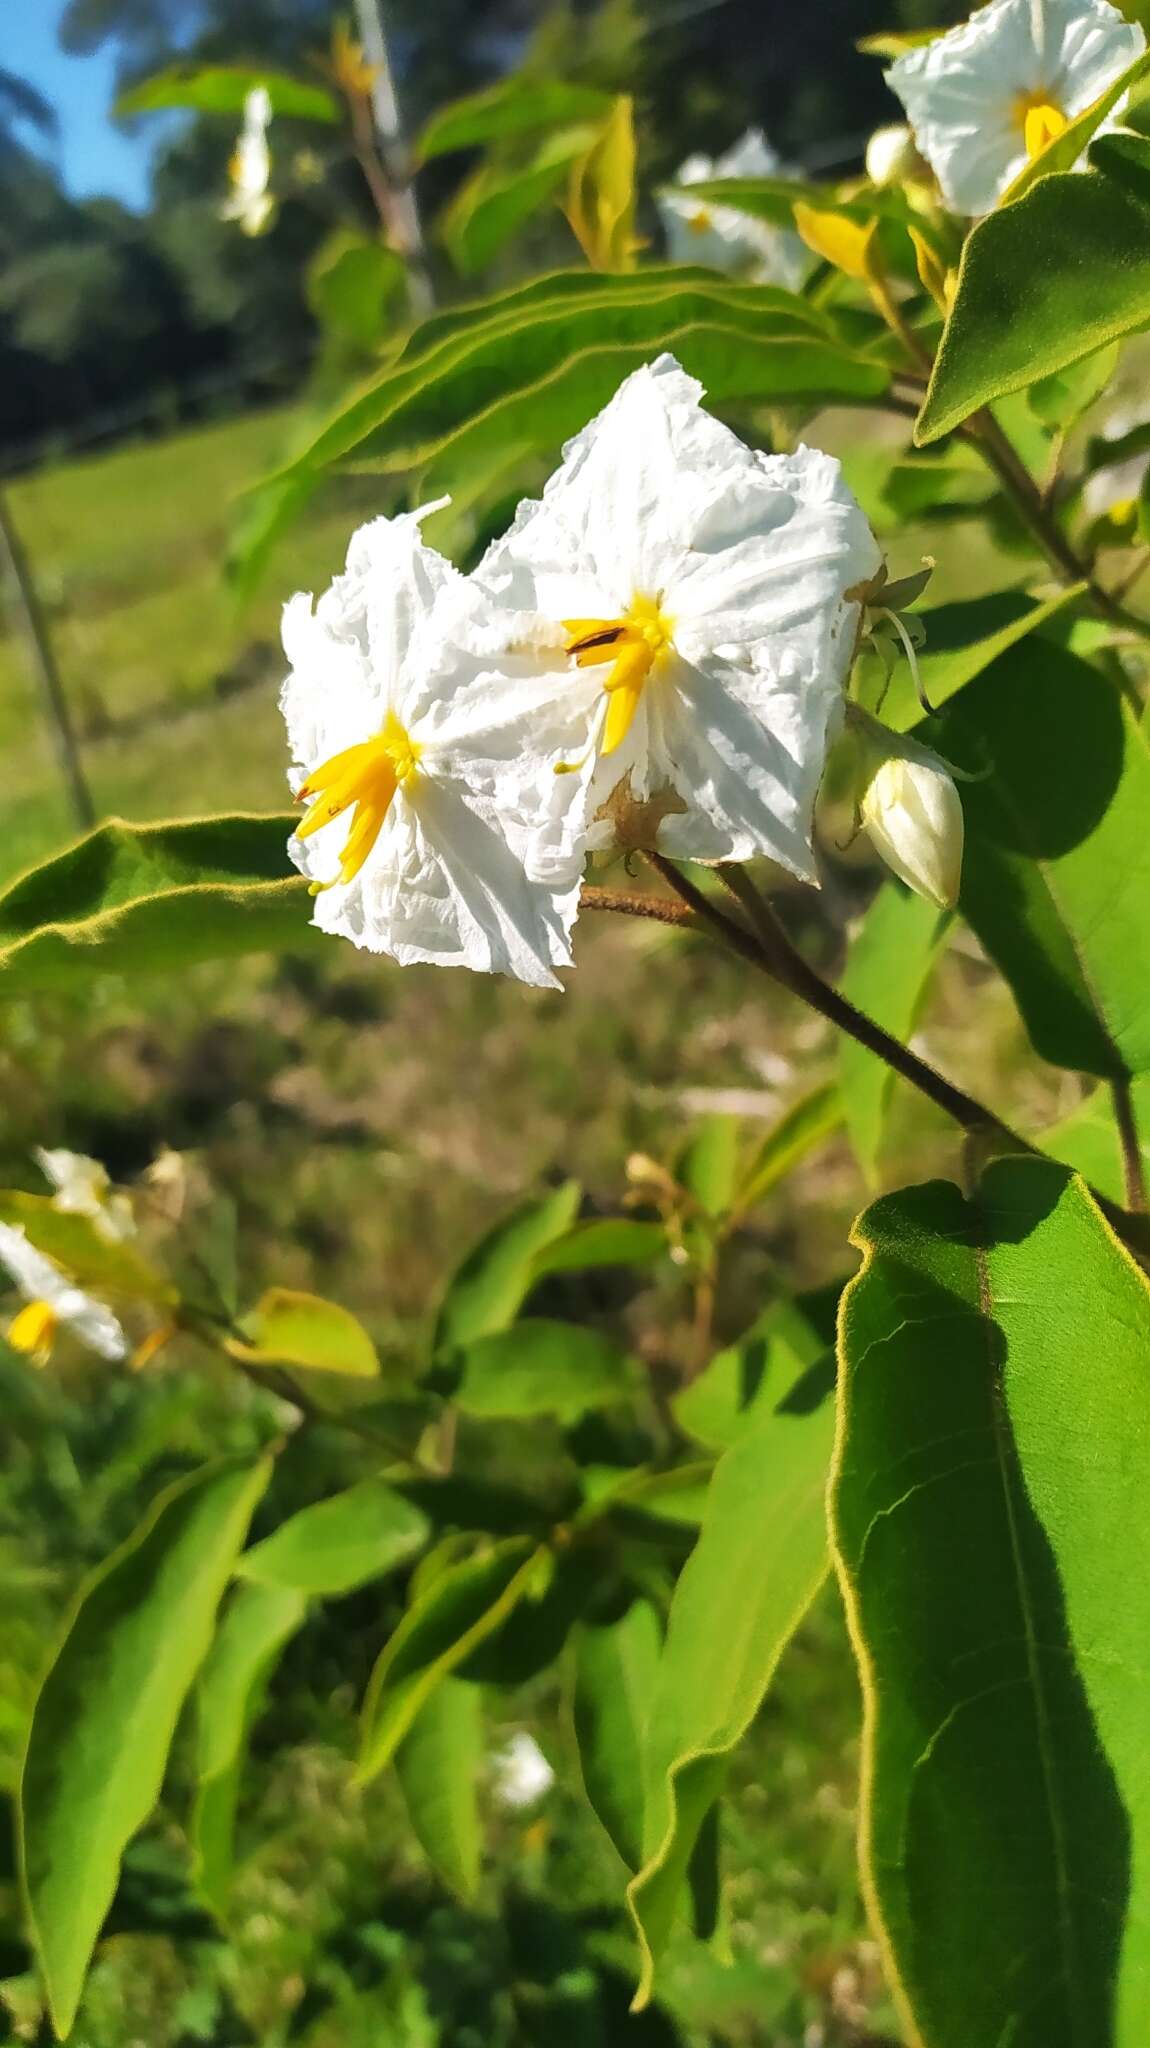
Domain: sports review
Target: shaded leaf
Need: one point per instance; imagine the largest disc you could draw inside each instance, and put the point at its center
(229, 1694)
(489, 1288)
(351, 283)
(993, 1464)
(887, 976)
(438, 1765)
(761, 1372)
(150, 898)
(516, 105)
(340, 1543)
(800, 1130)
(603, 1241)
(1088, 1138)
(540, 1367)
(107, 1710)
(961, 640)
(108, 1266)
(615, 1666)
(708, 1165)
(497, 199)
(759, 1561)
(1056, 876)
(464, 1605)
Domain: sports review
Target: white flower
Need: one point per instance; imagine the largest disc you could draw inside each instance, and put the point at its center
(51, 1299)
(891, 156)
(521, 1773)
(912, 815)
(1116, 486)
(721, 237)
(82, 1188)
(702, 595)
(993, 92)
(249, 202)
(433, 755)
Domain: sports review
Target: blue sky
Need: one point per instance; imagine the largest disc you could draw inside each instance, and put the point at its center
(94, 156)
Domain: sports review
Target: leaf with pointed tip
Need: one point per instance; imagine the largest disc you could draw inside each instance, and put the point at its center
(438, 1766)
(487, 1291)
(106, 1712)
(224, 88)
(615, 1667)
(340, 1543)
(800, 1130)
(516, 105)
(229, 1693)
(291, 1328)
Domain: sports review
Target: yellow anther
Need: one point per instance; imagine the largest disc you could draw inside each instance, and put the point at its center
(632, 645)
(365, 777)
(1040, 120)
(699, 221)
(33, 1331)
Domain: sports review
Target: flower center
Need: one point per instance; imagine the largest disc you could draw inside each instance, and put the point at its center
(366, 777)
(1040, 119)
(632, 645)
(34, 1329)
(699, 221)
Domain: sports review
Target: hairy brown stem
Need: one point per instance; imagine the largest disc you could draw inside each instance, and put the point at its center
(633, 904)
(1133, 1165)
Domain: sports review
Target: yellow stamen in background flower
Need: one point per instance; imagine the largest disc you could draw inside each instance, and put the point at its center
(632, 645)
(699, 221)
(33, 1331)
(1040, 120)
(366, 777)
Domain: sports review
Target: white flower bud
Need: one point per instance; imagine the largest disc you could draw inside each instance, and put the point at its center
(891, 155)
(912, 814)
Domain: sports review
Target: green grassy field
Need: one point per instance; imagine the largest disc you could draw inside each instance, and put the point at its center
(367, 1124)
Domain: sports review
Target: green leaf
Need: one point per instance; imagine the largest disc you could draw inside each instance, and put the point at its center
(340, 1543)
(615, 1669)
(962, 639)
(223, 89)
(603, 1241)
(264, 515)
(351, 283)
(1064, 152)
(759, 1374)
(108, 1266)
(1056, 876)
(708, 1165)
(539, 1367)
(887, 975)
(769, 199)
(229, 1695)
(289, 1328)
(517, 105)
(1041, 284)
(150, 898)
(1088, 1138)
(487, 1291)
(800, 1130)
(533, 371)
(107, 1710)
(759, 1561)
(992, 1475)
(1059, 401)
(438, 1765)
(896, 42)
(461, 1608)
(497, 199)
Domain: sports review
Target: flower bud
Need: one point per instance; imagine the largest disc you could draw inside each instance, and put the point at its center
(891, 156)
(912, 815)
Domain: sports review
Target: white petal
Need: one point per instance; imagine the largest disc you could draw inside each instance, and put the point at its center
(41, 1279)
(960, 91)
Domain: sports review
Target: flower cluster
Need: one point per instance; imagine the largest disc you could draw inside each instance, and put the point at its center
(994, 92)
(653, 655)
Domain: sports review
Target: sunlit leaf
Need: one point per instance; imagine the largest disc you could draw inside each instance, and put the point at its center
(539, 1367)
(489, 1288)
(615, 1667)
(993, 1472)
(518, 104)
(290, 1328)
(887, 976)
(438, 1765)
(341, 1542)
(107, 1710)
(223, 89)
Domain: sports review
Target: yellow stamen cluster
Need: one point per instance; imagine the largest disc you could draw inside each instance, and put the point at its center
(365, 777)
(699, 221)
(1040, 120)
(33, 1331)
(632, 645)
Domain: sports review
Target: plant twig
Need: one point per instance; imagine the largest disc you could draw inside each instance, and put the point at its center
(1133, 1164)
(633, 904)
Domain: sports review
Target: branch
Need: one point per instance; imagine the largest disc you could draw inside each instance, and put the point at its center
(1133, 1166)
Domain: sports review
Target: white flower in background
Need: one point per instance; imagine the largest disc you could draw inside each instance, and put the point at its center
(521, 1774)
(421, 772)
(81, 1187)
(721, 237)
(702, 596)
(891, 156)
(249, 202)
(1116, 488)
(912, 815)
(53, 1301)
(985, 98)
